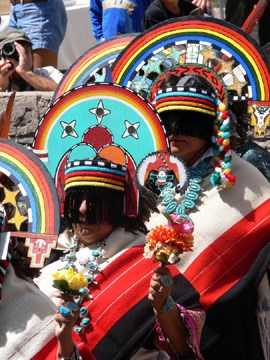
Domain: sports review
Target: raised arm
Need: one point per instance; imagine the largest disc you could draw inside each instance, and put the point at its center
(203, 4)
(25, 69)
(177, 329)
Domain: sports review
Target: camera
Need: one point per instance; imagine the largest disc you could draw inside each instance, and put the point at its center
(9, 52)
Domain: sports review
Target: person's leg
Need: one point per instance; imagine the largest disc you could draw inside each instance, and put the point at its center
(51, 24)
(13, 19)
(238, 11)
(44, 57)
(264, 27)
(45, 24)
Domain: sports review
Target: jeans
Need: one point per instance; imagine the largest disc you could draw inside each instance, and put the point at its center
(43, 22)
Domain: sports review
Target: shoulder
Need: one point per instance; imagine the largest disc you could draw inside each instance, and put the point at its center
(154, 14)
(24, 307)
(248, 172)
(154, 7)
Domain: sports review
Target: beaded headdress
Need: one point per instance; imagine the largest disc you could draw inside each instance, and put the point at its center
(185, 98)
(95, 173)
(102, 184)
(227, 57)
(99, 120)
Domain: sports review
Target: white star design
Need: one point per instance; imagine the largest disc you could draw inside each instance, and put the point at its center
(99, 111)
(68, 129)
(131, 130)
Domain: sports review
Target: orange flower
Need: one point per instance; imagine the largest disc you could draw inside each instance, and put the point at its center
(167, 235)
(166, 244)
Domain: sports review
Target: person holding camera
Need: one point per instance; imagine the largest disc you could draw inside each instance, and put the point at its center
(17, 72)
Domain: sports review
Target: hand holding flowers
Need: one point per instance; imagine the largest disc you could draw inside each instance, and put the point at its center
(69, 282)
(167, 242)
(72, 285)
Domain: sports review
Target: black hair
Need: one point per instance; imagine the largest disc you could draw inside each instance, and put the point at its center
(189, 123)
(106, 206)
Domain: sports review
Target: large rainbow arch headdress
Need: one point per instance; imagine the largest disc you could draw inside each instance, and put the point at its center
(93, 65)
(201, 43)
(107, 120)
(225, 56)
(29, 193)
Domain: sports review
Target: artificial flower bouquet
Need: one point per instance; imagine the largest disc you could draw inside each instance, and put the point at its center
(71, 283)
(165, 243)
(74, 284)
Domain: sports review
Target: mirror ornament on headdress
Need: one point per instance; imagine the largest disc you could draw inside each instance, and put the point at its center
(160, 170)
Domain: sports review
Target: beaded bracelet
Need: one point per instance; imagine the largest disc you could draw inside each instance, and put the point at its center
(168, 305)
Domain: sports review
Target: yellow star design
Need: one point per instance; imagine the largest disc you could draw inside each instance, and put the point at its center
(10, 196)
(226, 67)
(237, 85)
(17, 220)
(207, 54)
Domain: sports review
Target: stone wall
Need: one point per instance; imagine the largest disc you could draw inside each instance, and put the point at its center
(29, 106)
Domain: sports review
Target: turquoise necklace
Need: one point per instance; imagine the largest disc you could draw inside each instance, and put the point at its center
(171, 195)
(92, 264)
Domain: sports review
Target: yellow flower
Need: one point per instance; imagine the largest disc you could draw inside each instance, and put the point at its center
(75, 280)
(63, 274)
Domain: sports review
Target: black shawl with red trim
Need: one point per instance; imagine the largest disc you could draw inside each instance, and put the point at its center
(231, 330)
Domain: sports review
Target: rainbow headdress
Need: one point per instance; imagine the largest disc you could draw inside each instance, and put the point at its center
(121, 127)
(203, 101)
(226, 56)
(95, 173)
(33, 198)
(184, 98)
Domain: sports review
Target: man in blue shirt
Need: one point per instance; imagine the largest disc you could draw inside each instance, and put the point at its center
(113, 17)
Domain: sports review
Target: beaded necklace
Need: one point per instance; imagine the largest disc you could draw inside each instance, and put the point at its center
(171, 195)
(92, 263)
